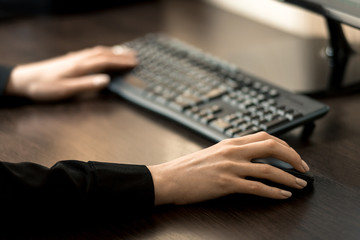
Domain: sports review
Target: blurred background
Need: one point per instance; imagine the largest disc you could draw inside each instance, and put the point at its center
(266, 35)
(284, 16)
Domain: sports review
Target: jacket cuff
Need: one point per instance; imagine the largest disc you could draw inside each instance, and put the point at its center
(5, 72)
(125, 185)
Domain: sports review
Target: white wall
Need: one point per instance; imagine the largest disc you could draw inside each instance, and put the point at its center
(283, 16)
(277, 14)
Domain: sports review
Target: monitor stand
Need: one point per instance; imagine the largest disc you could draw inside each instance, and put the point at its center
(343, 62)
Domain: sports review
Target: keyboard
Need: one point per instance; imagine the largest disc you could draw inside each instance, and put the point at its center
(209, 95)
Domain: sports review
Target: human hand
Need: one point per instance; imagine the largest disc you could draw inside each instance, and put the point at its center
(222, 168)
(68, 75)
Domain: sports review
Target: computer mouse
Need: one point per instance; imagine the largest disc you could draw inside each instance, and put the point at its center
(308, 176)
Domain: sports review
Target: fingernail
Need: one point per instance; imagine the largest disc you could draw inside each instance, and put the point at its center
(302, 183)
(118, 49)
(286, 193)
(305, 166)
(101, 80)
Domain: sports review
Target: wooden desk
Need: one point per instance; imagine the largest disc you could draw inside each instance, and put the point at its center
(107, 128)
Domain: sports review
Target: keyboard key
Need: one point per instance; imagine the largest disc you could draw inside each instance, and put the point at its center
(189, 99)
(246, 104)
(293, 116)
(246, 126)
(273, 123)
(208, 118)
(220, 125)
(257, 85)
(215, 109)
(274, 93)
(179, 105)
(199, 115)
(161, 99)
(247, 132)
(192, 111)
(214, 93)
(238, 122)
(247, 81)
(260, 98)
(281, 110)
(232, 131)
(265, 89)
(230, 117)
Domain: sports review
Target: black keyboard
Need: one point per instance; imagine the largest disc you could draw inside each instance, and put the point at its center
(209, 95)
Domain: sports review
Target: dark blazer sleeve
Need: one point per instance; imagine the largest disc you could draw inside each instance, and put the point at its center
(75, 188)
(5, 72)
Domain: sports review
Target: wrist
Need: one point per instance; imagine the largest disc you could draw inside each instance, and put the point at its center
(162, 185)
(15, 84)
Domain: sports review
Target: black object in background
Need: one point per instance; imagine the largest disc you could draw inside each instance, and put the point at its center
(12, 8)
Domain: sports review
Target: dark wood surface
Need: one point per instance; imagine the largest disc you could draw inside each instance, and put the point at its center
(105, 127)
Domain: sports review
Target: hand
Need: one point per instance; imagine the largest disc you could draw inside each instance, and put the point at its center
(73, 73)
(222, 169)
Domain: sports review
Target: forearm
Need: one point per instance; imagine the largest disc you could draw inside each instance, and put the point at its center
(76, 186)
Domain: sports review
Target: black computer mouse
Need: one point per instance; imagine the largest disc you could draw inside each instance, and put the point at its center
(308, 176)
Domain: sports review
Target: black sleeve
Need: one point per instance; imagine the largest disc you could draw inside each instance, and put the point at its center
(74, 188)
(4, 77)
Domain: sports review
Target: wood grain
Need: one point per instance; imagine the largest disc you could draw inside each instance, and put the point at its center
(105, 127)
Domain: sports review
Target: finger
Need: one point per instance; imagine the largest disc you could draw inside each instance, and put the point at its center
(103, 63)
(101, 51)
(260, 136)
(114, 50)
(272, 148)
(271, 173)
(69, 87)
(262, 190)
(83, 84)
(120, 50)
